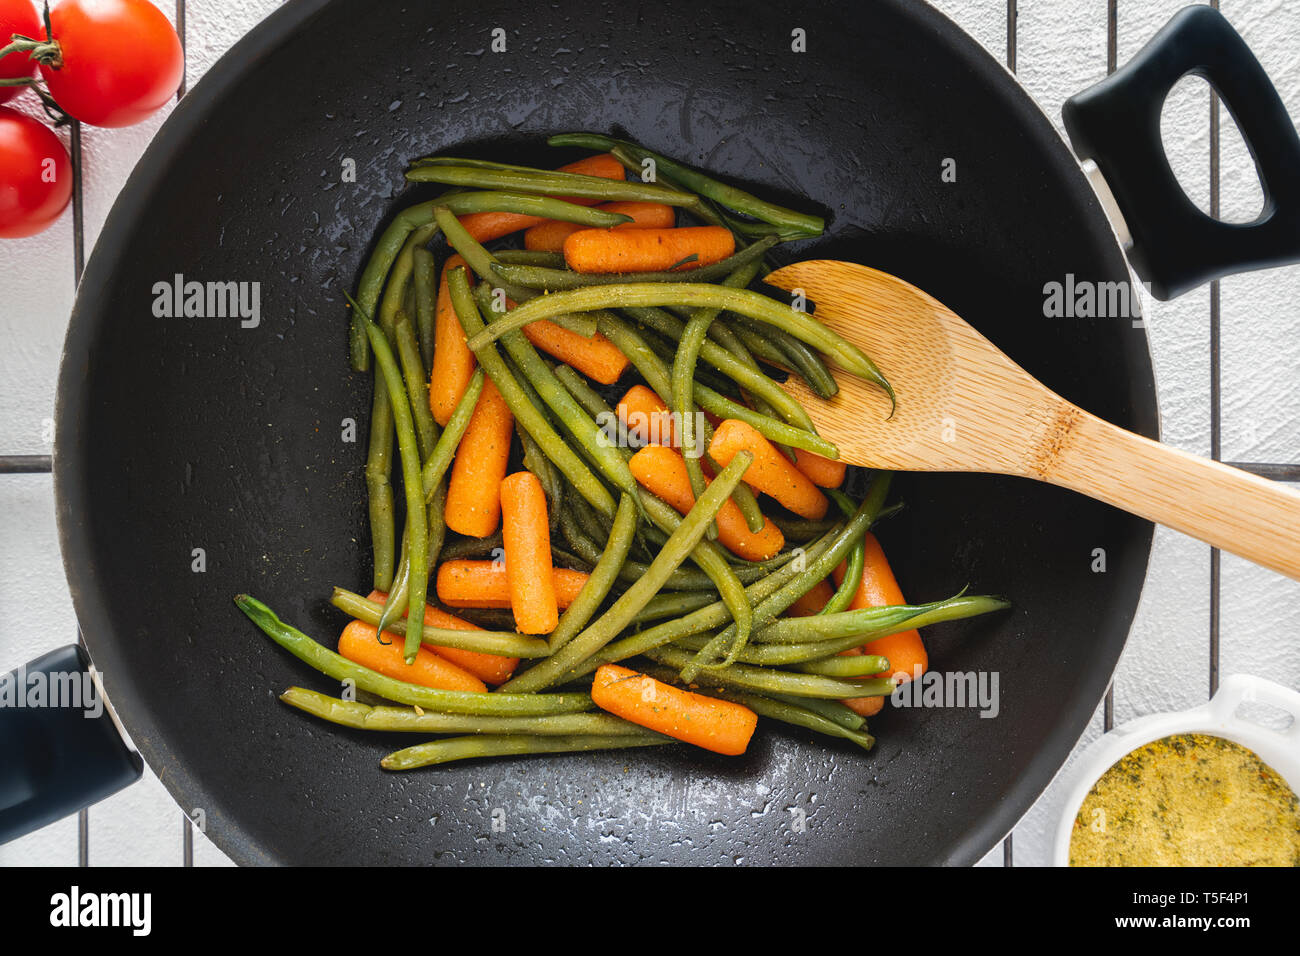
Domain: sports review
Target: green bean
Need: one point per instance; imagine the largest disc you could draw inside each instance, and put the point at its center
(735, 199)
(656, 374)
(797, 356)
(762, 347)
(682, 382)
(555, 280)
(682, 579)
(394, 237)
(386, 718)
(802, 716)
(749, 378)
(707, 211)
(444, 450)
(814, 571)
(765, 679)
(532, 419)
(399, 278)
(417, 517)
(696, 295)
(552, 184)
(417, 385)
(379, 456)
(594, 525)
(538, 374)
(530, 257)
(705, 618)
(446, 701)
(857, 665)
(833, 710)
(491, 303)
(488, 618)
(567, 559)
(854, 565)
(779, 643)
(379, 486)
(473, 547)
(500, 643)
(399, 597)
(681, 543)
(593, 593)
(585, 395)
(791, 711)
(801, 529)
(572, 416)
(482, 263)
(673, 604)
(496, 745)
(536, 462)
(426, 301)
(708, 557)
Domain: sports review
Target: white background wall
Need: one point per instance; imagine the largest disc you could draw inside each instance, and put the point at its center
(1061, 47)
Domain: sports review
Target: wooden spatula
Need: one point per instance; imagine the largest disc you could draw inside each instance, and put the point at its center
(965, 406)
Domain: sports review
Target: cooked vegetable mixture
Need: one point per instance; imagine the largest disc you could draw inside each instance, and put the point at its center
(601, 474)
(1188, 800)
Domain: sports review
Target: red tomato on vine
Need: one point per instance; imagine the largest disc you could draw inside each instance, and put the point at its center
(107, 62)
(35, 175)
(16, 16)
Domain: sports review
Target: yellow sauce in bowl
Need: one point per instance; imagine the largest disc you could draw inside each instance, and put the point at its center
(1188, 800)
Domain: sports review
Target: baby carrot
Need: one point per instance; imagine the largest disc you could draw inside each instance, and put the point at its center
(662, 471)
(526, 536)
(490, 668)
(360, 644)
(647, 250)
(771, 471)
(811, 602)
(549, 236)
(905, 650)
(453, 362)
(597, 357)
(717, 725)
(485, 584)
(474, 493)
(865, 706)
(646, 417)
(486, 226)
(823, 472)
(808, 605)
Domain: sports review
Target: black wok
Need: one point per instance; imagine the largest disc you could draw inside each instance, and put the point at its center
(176, 434)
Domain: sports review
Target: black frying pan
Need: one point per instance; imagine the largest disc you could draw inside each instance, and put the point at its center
(176, 434)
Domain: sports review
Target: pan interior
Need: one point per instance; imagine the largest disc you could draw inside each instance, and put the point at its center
(183, 433)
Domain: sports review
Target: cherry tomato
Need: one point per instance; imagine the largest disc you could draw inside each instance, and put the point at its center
(121, 60)
(35, 175)
(17, 16)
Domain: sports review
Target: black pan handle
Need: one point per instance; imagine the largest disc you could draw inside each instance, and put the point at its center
(1116, 123)
(55, 760)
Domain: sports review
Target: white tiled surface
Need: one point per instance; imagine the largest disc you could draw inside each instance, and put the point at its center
(1061, 48)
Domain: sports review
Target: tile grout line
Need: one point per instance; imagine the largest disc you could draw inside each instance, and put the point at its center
(187, 827)
(1112, 63)
(1216, 393)
(1008, 853)
(78, 265)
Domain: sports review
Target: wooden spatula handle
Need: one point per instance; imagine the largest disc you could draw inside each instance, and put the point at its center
(1226, 507)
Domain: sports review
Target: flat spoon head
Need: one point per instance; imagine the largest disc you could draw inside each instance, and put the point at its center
(962, 404)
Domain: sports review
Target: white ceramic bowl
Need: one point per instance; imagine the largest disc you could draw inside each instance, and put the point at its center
(1280, 749)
